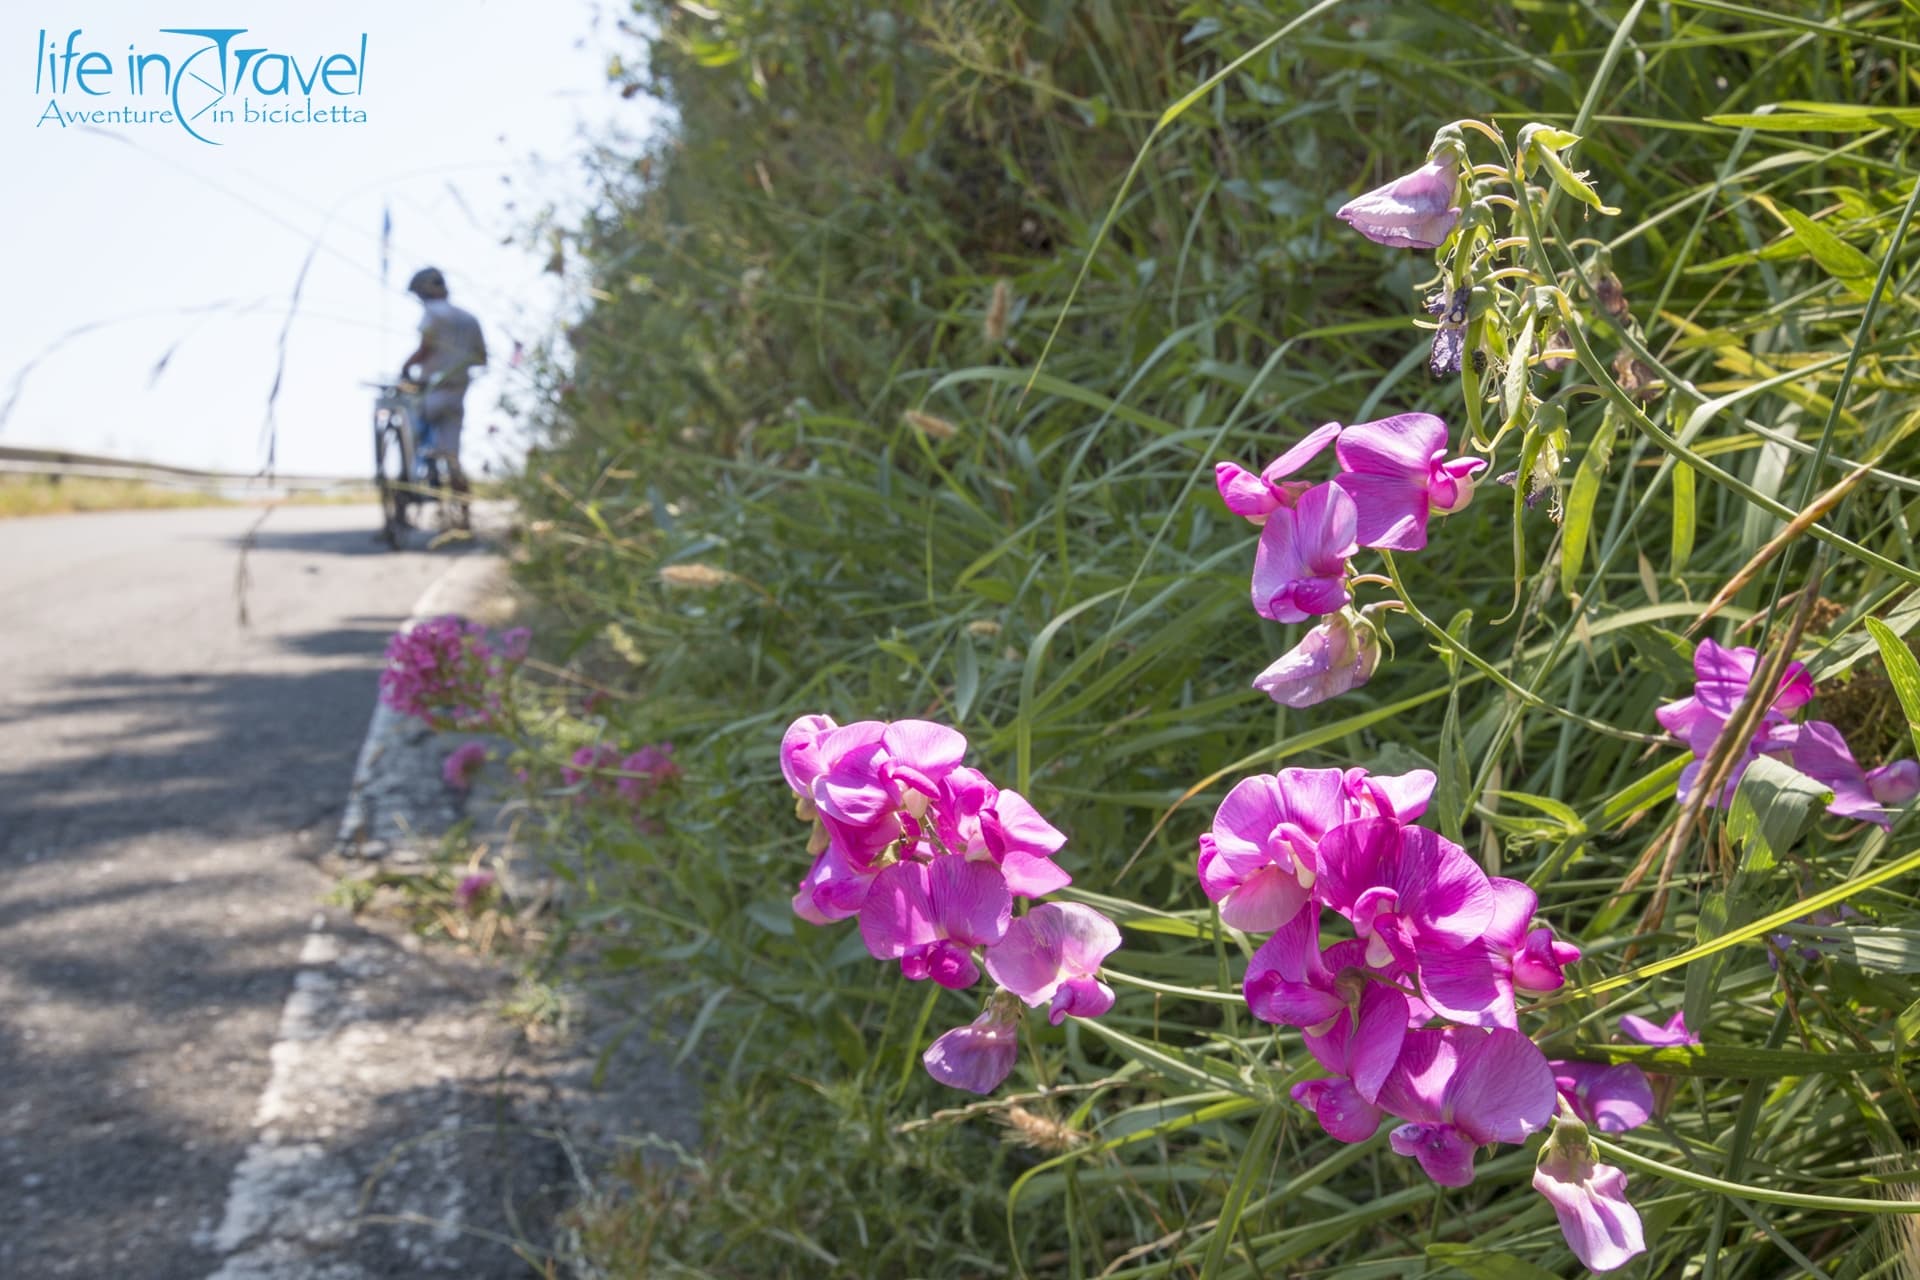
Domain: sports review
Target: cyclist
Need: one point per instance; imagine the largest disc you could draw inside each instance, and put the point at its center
(451, 346)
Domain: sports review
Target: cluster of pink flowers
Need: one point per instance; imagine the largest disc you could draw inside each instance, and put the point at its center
(1815, 748)
(463, 765)
(1394, 476)
(929, 855)
(1413, 1016)
(635, 776)
(448, 671)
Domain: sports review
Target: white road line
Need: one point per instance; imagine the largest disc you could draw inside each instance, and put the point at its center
(289, 1195)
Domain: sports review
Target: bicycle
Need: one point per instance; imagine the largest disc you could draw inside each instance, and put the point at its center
(405, 469)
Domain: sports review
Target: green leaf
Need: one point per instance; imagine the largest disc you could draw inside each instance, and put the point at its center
(1484, 1264)
(1829, 117)
(1584, 492)
(1685, 518)
(1732, 1062)
(1771, 807)
(1902, 670)
(1835, 256)
(966, 677)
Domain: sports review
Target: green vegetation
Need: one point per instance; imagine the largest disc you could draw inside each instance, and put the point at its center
(839, 435)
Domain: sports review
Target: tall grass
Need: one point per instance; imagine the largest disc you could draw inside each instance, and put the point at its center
(803, 370)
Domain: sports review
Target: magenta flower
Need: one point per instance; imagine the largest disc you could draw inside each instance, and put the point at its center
(1258, 496)
(930, 916)
(1400, 796)
(1474, 984)
(648, 769)
(1261, 859)
(1662, 1035)
(1589, 1199)
(443, 671)
(976, 819)
(1721, 677)
(1416, 211)
(1407, 890)
(1817, 750)
(1300, 566)
(1895, 785)
(1611, 1099)
(472, 890)
(1396, 472)
(979, 1056)
(1335, 656)
(1460, 1088)
(513, 644)
(1053, 953)
(463, 764)
(586, 761)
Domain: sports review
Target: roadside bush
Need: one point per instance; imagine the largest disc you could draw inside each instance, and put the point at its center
(916, 343)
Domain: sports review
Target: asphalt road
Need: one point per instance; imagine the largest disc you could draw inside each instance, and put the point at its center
(165, 772)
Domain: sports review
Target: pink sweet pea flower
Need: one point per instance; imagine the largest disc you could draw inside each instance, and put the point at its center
(463, 764)
(1460, 1088)
(1589, 1199)
(1300, 566)
(1396, 472)
(1258, 496)
(1053, 953)
(1407, 890)
(1817, 750)
(1895, 785)
(1400, 796)
(1261, 859)
(1721, 676)
(1415, 211)
(1612, 1099)
(930, 916)
(1335, 656)
(979, 1056)
(1660, 1035)
(978, 820)
(1474, 984)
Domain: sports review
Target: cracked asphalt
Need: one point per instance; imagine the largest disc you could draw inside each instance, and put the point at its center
(166, 774)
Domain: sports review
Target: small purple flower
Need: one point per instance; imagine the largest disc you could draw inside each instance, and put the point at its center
(1397, 473)
(1333, 657)
(979, 1056)
(929, 917)
(1589, 1198)
(1053, 954)
(472, 890)
(1258, 496)
(587, 761)
(513, 644)
(1660, 1035)
(1300, 566)
(1416, 211)
(463, 764)
(1611, 1099)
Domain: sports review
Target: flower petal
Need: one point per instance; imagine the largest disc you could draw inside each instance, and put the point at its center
(897, 916)
(969, 900)
(1503, 1089)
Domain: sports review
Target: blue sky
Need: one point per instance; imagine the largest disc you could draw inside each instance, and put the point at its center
(133, 244)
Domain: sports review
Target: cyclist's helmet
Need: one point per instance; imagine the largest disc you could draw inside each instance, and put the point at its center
(427, 282)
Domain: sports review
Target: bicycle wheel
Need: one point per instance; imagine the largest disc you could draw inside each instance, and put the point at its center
(393, 472)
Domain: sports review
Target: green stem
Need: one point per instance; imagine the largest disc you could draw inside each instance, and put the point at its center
(1766, 1195)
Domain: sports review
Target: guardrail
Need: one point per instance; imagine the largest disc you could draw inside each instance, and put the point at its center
(55, 463)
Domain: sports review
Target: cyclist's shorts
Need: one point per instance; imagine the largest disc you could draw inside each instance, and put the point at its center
(445, 413)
